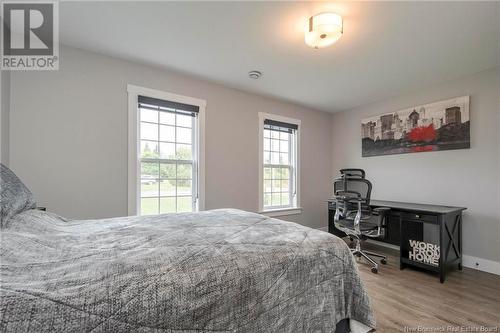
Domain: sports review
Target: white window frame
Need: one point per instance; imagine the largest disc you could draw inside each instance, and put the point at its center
(134, 144)
(297, 209)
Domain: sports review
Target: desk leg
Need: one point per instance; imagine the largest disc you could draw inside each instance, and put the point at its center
(442, 256)
(401, 264)
(460, 241)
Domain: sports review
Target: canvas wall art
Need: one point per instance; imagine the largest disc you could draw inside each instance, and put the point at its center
(440, 125)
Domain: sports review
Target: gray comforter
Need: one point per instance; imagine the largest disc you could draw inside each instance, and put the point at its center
(214, 271)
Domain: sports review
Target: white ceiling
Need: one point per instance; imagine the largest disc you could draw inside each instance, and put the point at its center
(388, 48)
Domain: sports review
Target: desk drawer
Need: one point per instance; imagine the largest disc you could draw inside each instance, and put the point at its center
(419, 217)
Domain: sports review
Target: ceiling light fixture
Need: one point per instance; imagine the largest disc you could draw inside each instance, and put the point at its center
(254, 74)
(323, 30)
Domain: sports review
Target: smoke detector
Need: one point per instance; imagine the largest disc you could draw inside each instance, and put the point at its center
(254, 74)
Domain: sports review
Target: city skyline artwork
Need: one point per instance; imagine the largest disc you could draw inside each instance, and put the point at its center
(442, 125)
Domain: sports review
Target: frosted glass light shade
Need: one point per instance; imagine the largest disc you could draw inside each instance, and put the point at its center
(323, 30)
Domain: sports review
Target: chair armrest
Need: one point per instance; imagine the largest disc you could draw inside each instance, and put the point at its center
(381, 212)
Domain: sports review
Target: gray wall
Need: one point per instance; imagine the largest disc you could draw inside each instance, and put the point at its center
(469, 178)
(68, 138)
(4, 116)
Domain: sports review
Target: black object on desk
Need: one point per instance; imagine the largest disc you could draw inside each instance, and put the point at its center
(429, 236)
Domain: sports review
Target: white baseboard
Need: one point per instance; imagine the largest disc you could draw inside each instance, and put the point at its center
(481, 264)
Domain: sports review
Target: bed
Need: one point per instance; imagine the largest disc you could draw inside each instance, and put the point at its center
(222, 270)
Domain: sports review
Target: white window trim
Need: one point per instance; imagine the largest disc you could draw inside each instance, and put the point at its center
(133, 142)
(281, 211)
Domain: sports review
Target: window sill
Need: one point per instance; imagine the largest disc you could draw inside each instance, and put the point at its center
(282, 211)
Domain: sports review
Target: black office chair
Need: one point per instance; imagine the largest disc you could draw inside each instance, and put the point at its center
(353, 214)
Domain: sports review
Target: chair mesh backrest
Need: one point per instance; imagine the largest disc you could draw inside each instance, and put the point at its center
(354, 184)
(359, 185)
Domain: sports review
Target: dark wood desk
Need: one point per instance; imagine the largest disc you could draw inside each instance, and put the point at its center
(437, 229)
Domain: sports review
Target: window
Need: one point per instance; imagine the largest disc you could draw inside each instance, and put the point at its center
(279, 186)
(167, 158)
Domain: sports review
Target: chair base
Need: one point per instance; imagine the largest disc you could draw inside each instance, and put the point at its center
(358, 252)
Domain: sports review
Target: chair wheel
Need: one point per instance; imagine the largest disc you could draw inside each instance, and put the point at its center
(383, 261)
(374, 270)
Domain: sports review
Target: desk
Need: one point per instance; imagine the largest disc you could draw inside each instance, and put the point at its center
(409, 224)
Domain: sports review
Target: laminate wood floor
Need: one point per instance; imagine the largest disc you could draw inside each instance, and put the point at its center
(404, 300)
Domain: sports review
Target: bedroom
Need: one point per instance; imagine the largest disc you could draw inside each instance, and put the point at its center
(164, 107)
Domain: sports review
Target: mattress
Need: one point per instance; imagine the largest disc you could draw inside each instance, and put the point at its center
(222, 270)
